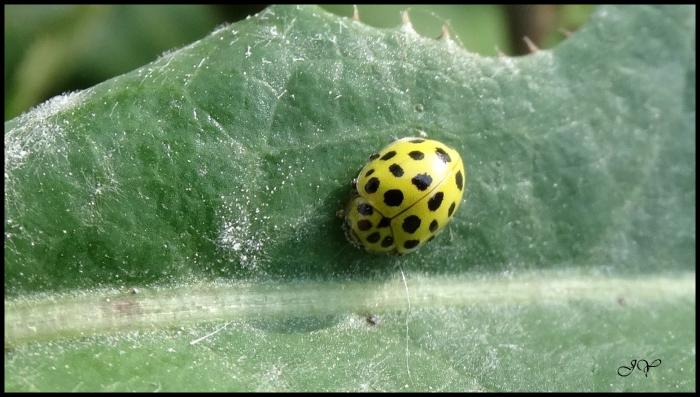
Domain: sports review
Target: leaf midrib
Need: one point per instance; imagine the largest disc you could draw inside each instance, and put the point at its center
(50, 316)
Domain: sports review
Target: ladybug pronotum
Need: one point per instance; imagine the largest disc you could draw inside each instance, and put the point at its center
(404, 196)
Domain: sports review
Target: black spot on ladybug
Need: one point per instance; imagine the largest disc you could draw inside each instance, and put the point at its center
(389, 155)
(411, 224)
(458, 179)
(417, 140)
(416, 155)
(410, 244)
(451, 210)
(374, 156)
(435, 201)
(387, 242)
(370, 172)
(364, 209)
(443, 155)
(396, 170)
(372, 185)
(384, 222)
(422, 181)
(373, 238)
(393, 197)
(364, 224)
(433, 226)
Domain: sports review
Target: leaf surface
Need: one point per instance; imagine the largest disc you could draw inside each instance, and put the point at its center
(212, 176)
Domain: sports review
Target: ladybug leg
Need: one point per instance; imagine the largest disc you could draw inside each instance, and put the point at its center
(354, 184)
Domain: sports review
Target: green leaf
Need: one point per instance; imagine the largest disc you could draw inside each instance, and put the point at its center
(209, 181)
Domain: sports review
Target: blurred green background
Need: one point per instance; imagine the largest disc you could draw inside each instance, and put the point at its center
(51, 49)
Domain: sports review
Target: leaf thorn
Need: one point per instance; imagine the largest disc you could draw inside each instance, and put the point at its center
(406, 20)
(565, 32)
(445, 34)
(500, 53)
(355, 13)
(530, 45)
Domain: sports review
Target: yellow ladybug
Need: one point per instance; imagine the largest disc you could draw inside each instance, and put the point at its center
(404, 196)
